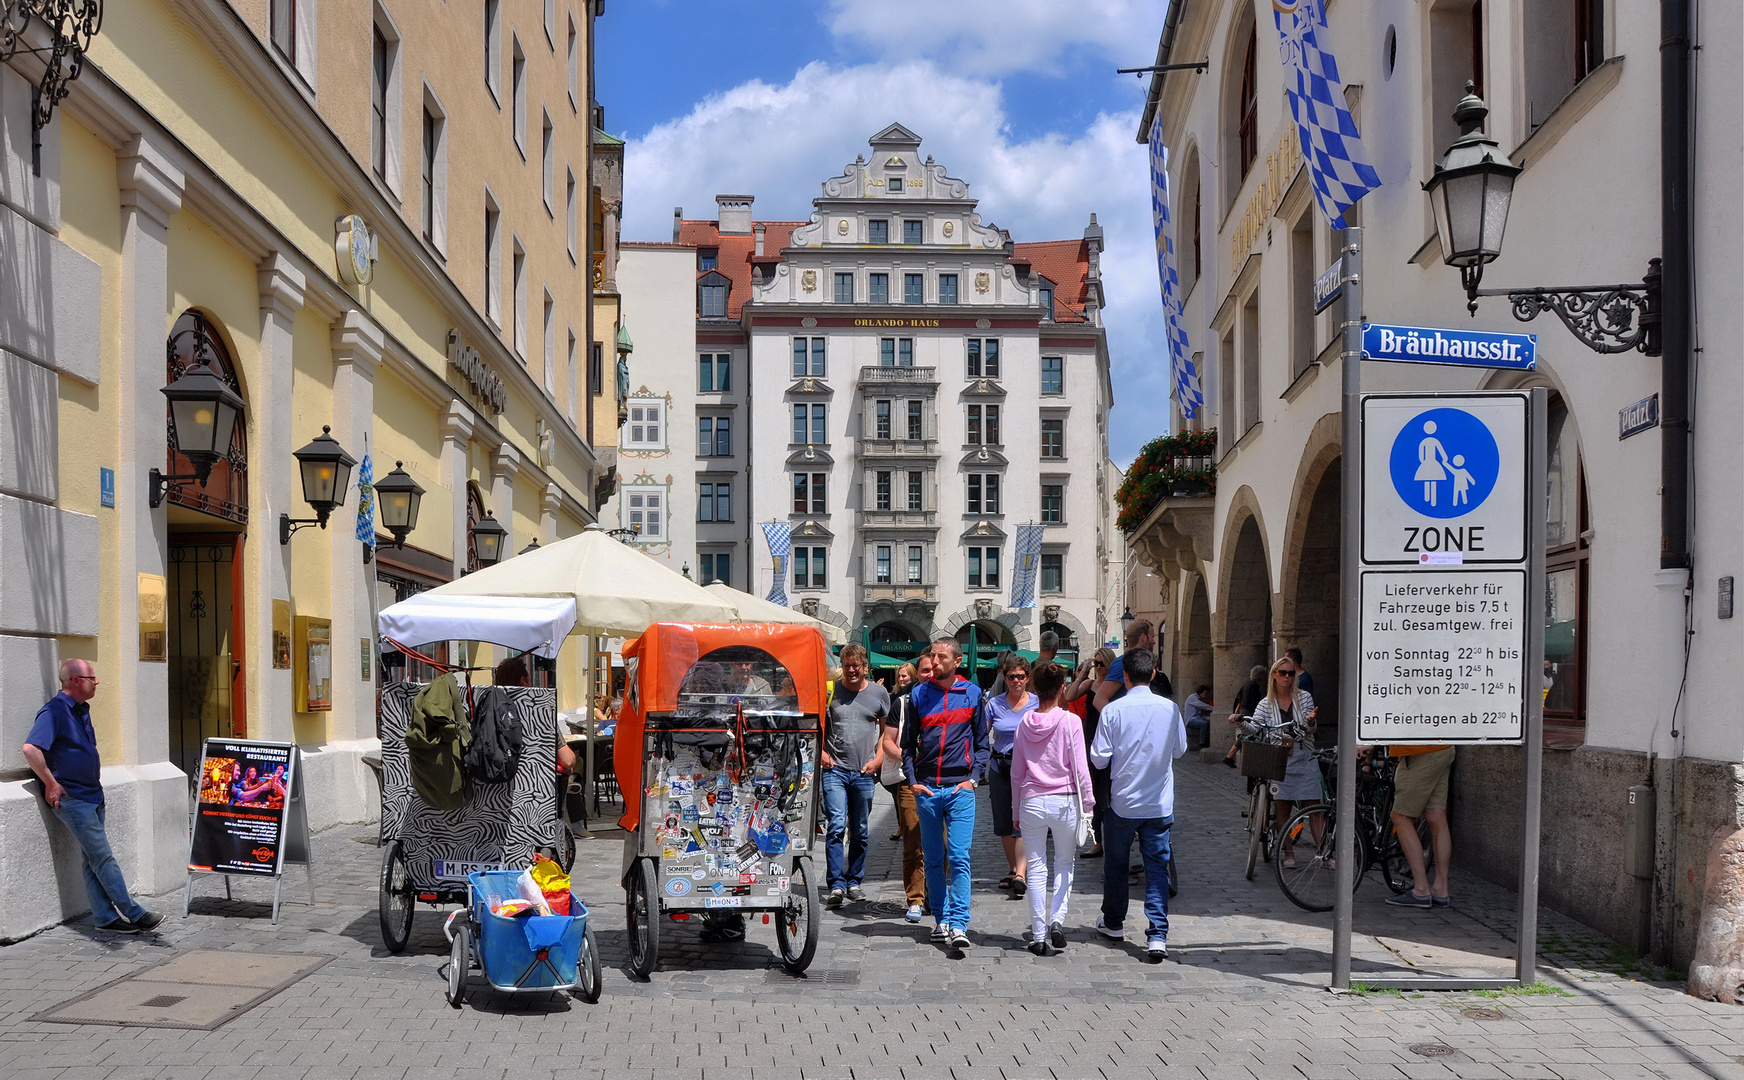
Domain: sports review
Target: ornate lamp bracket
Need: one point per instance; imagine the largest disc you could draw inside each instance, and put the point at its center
(69, 25)
(1604, 318)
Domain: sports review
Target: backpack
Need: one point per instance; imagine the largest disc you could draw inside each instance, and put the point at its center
(496, 738)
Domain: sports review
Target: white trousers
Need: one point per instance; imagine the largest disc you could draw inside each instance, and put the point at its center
(1041, 815)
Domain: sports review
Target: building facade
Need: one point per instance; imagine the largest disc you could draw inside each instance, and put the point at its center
(354, 215)
(1255, 568)
(898, 383)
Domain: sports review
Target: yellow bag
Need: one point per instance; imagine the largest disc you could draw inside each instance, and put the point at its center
(552, 882)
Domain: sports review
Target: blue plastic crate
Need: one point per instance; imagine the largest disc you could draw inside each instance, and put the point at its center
(533, 952)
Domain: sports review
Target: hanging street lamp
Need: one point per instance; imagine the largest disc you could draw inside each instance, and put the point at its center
(487, 540)
(326, 472)
(203, 409)
(398, 496)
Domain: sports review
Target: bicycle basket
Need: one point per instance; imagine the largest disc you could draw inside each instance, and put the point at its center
(1263, 760)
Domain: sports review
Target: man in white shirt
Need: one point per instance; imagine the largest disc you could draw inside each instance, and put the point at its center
(1138, 739)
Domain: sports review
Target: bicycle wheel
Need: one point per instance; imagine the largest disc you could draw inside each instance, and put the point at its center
(642, 901)
(1396, 869)
(1256, 826)
(397, 899)
(459, 964)
(1269, 834)
(1312, 883)
(796, 924)
(587, 986)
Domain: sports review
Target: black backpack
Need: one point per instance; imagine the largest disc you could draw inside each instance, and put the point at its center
(496, 738)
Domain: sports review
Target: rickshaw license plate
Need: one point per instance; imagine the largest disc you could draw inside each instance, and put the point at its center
(454, 870)
(721, 901)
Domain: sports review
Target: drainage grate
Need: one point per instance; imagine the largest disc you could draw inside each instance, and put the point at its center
(163, 1001)
(886, 907)
(200, 990)
(833, 977)
(1483, 1012)
(1432, 1049)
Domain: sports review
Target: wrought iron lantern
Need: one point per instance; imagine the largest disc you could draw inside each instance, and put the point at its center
(487, 540)
(326, 470)
(398, 496)
(204, 410)
(68, 26)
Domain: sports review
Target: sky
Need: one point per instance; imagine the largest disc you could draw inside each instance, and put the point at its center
(1017, 97)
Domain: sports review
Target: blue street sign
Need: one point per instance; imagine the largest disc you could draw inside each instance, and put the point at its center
(1639, 417)
(106, 486)
(1467, 348)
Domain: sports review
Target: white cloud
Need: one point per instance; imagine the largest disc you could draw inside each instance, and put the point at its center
(779, 143)
(993, 37)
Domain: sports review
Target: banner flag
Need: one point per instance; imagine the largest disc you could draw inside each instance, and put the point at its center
(1029, 557)
(1184, 374)
(366, 503)
(778, 534)
(1325, 130)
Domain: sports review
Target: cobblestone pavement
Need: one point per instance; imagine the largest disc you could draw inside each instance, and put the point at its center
(1242, 995)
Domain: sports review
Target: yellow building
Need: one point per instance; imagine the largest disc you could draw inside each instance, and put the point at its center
(362, 217)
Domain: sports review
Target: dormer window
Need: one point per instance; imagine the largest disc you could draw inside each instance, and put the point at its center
(711, 295)
(706, 260)
(1047, 293)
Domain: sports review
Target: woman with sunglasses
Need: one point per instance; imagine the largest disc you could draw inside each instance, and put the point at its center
(1090, 675)
(1004, 712)
(1294, 707)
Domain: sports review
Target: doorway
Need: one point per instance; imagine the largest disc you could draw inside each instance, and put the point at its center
(205, 644)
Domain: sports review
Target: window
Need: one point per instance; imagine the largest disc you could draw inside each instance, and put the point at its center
(893, 184)
(493, 45)
(519, 284)
(844, 288)
(1047, 299)
(714, 501)
(947, 288)
(569, 210)
(1053, 572)
(880, 289)
(914, 428)
(983, 425)
(550, 328)
(714, 373)
(596, 370)
(1302, 273)
(915, 555)
(1229, 429)
(1187, 263)
(1561, 44)
(1456, 56)
(1054, 438)
(808, 433)
(809, 493)
(284, 29)
(1250, 362)
(983, 493)
(915, 495)
(913, 289)
(983, 358)
(493, 255)
(1053, 375)
(644, 512)
(433, 179)
(808, 567)
(551, 24)
(983, 568)
(1565, 583)
(548, 164)
(1589, 36)
(715, 566)
(1053, 504)
(574, 55)
(714, 436)
(384, 117)
(883, 564)
(643, 431)
(570, 368)
(878, 232)
(912, 232)
(518, 88)
(881, 486)
(1247, 114)
(802, 366)
(881, 423)
(707, 259)
(712, 299)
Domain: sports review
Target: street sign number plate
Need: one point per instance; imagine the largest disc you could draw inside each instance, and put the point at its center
(1444, 479)
(1443, 656)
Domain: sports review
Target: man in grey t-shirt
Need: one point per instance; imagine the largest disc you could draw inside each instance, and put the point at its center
(852, 758)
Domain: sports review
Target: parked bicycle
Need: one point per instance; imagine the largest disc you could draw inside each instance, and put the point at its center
(1311, 883)
(1264, 753)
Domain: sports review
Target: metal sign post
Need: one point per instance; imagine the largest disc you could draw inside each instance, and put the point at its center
(1349, 607)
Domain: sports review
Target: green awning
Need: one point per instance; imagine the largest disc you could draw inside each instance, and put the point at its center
(879, 660)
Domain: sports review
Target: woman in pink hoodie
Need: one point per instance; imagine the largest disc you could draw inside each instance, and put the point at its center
(1049, 774)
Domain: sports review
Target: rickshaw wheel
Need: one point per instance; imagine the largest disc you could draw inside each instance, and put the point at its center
(642, 899)
(796, 924)
(588, 969)
(459, 963)
(397, 900)
(565, 846)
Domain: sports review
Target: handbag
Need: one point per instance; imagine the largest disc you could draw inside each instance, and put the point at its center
(1086, 822)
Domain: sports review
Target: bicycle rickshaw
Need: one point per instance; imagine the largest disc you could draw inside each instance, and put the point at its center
(719, 735)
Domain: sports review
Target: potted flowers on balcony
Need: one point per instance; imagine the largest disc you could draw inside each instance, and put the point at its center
(1170, 466)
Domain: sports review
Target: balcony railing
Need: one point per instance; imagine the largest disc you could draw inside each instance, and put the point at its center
(1179, 466)
(878, 373)
(899, 519)
(899, 448)
(871, 593)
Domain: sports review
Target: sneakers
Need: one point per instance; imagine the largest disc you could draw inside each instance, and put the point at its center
(1411, 899)
(856, 894)
(1112, 933)
(1039, 947)
(1057, 936)
(834, 900)
(1156, 950)
(941, 935)
(959, 938)
(914, 913)
(1442, 901)
(119, 926)
(149, 921)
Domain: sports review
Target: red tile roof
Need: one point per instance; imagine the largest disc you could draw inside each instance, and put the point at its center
(1066, 263)
(734, 253)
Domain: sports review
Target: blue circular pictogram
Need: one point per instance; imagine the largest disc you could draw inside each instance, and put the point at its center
(678, 886)
(1444, 463)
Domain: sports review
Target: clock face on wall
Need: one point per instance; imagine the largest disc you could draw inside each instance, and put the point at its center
(352, 246)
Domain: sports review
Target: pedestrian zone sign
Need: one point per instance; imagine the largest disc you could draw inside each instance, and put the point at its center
(1444, 479)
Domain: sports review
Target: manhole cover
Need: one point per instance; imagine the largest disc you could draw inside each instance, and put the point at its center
(200, 989)
(836, 977)
(1481, 1012)
(886, 907)
(1432, 1049)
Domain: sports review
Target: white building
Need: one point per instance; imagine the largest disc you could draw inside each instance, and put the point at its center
(904, 387)
(1574, 96)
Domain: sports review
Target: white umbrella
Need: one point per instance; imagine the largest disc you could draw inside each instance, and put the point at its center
(523, 623)
(755, 609)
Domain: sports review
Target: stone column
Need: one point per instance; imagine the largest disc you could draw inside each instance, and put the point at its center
(357, 349)
(151, 194)
(272, 491)
(549, 504)
(504, 468)
(457, 426)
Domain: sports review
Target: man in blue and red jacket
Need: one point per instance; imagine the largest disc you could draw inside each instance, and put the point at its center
(944, 754)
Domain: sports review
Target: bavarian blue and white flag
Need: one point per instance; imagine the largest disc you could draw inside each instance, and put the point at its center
(1029, 557)
(779, 536)
(366, 502)
(1327, 133)
(1184, 375)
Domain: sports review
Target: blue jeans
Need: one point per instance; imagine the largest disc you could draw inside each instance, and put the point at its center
(848, 803)
(947, 828)
(104, 884)
(1200, 727)
(1153, 842)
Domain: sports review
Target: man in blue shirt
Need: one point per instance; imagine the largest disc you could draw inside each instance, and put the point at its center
(62, 752)
(944, 756)
(1138, 739)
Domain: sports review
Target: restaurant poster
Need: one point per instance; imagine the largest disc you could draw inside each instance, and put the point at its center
(244, 807)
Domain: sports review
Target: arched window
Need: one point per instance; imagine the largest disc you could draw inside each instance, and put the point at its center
(474, 514)
(1188, 261)
(1565, 583)
(1247, 112)
(194, 340)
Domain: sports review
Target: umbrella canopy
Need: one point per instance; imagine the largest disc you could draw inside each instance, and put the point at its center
(525, 624)
(755, 609)
(617, 590)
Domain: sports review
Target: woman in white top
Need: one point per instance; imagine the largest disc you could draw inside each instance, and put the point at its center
(1295, 708)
